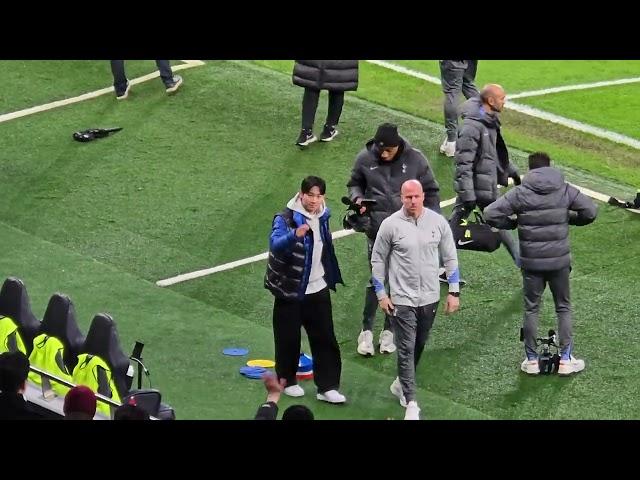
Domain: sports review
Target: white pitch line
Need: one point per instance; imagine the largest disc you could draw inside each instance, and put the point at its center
(335, 235)
(533, 112)
(574, 124)
(579, 86)
(68, 101)
(256, 258)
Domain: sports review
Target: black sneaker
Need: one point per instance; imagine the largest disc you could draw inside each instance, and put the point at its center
(125, 94)
(174, 85)
(443, 279)
(328, 133)
(305, 138)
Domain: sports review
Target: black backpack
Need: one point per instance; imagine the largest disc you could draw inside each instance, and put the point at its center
(479, 236)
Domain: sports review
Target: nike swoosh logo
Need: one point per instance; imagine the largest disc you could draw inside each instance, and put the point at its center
(460, 242)
(373, 168)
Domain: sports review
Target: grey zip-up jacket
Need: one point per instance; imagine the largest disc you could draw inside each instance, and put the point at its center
(406, 251)
(544, 205)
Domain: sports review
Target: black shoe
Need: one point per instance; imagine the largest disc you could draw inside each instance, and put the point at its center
(328, 133)
(174, 85)
(305, 138)
(443, 279)
(125, 94)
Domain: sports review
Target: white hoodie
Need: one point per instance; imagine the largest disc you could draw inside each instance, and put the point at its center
(316, 276)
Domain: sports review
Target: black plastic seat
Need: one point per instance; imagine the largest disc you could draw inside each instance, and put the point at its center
(60, 321)
(14, 303)
(103, 340)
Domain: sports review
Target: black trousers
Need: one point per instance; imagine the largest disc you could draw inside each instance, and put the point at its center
(310, 105)
(314, 314)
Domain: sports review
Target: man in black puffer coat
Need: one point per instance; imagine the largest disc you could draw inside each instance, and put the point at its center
(336, 76)
(544, 206)
(382, 166)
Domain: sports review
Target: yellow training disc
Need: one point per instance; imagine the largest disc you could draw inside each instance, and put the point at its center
(261, 363)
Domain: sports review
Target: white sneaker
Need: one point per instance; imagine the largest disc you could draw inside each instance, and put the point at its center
(530, 367)
(294, 391)
(332, 396)
(365, 343)
(413, 411)
(386, 342)
(573, 365)
(448, 148)
(396, 389)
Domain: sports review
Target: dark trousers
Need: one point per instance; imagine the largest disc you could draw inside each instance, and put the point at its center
(411, 327)
(456, 77)
(371, 300)
(314, 314)
(533, 284)
(120, 77)
(310, 105)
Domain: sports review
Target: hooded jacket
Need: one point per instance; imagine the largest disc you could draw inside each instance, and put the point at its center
(291, 264)
(380, 180)
(544, 205)
(482, 159)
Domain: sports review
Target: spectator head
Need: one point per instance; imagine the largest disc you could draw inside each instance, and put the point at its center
(539, 160)
(80, 403)
(297, 412)
(14, 370)
(130, 411)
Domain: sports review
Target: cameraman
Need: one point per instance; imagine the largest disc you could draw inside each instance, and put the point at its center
(542, 208)
(384, 164)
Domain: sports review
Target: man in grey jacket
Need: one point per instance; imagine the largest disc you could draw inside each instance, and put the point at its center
(407, 253)
(482, 159)
(382, 166)
(544, 206)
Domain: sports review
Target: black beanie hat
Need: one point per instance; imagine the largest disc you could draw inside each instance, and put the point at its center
(387, 136)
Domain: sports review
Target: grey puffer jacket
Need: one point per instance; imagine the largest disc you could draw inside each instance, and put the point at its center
(482, 159)
(544, 205)
(333, 75)
(380, 180)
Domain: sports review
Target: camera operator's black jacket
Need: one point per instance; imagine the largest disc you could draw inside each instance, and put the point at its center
(373, 178)
(544, 205)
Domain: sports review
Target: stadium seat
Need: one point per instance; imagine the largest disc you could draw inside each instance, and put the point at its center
(14, 303)
(103, 340)
(60, 321)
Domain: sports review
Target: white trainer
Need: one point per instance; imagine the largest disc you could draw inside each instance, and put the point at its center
(365, 343)
(396, 389)
(332, 396)
(386, 342)
(530, 367)
(448, 148)
(413, 411)
(294, 391)
(568, 367)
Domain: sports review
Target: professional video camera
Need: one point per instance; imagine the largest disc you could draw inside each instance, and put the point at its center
(548, 361)
(353, 219)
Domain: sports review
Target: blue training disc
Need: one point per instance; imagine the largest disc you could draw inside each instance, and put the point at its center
(235, 352)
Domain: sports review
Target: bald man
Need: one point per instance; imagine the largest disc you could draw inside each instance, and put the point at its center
(482, 159)
(457, 76)
(406, 255)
